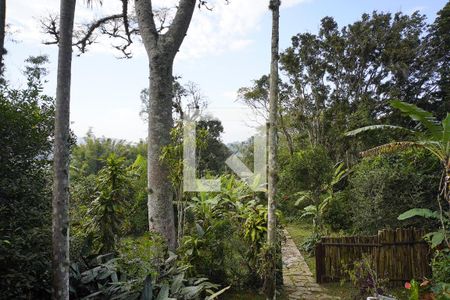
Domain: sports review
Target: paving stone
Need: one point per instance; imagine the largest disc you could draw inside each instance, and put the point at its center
(299, 283)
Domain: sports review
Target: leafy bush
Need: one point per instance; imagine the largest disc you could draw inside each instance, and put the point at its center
(309, 244)
(26, 129)
(338, 214)
(381, 188)
(106, 211)
(142, 270)
(441, 273)
(307, 170)
(364, 277)
(226, 234)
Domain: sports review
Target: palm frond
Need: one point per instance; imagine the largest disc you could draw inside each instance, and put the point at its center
(391, 147)
(304, 196)
(434, 147)
(424, 117)
(377, 127)
(339, 173)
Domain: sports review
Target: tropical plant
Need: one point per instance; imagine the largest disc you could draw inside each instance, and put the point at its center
(364, 277)
(413, 288)
(107, 209)
(304, 177)
(26, 130)
(381, 188)
(429, 134)
(225, 235)
(317, 210)
(136, 216)
(109, 277)
(436, 237)
(309, 243)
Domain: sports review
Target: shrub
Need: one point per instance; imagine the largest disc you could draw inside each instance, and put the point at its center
(383, 187)
(26, 128)
(338, 214)
(226, 234)
(143, 269)
(441, 273)
(309, 244)
(364, 277)
(306, 170)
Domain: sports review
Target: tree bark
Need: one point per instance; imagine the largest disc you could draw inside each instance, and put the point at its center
(60, 203)
(161, 50)
(272, 180)
(160, 122)
(2, 33)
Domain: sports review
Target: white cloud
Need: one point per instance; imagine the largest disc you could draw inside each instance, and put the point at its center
(228, 27)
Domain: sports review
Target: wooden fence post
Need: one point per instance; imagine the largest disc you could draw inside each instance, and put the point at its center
(320, 262)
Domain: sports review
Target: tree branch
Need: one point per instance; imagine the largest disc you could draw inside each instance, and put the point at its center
(177, 30)
(88, 38)
(85, 37)
(144, 13)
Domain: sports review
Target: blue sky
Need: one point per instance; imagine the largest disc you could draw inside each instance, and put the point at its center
(224, 50)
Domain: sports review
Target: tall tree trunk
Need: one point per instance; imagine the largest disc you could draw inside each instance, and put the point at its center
(273, 113)
(160, 122)
(161, 50)
(60, 203)
(2, 33)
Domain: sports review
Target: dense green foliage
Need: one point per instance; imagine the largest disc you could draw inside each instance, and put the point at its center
(107, 209)
(344, 78)
(142, 269)
(338, 170)
(225, 235)
(26, 127)
(381, 188)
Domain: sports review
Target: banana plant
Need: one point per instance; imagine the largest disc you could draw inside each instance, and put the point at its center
(429, 134)
(436, 237)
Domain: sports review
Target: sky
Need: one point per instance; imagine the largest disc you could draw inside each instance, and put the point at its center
(225, 49)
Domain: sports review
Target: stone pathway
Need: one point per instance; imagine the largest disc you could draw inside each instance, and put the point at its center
(299, 282)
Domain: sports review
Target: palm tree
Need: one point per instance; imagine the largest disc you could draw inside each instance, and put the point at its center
(432, 135)
(270, 282)
(60, 218)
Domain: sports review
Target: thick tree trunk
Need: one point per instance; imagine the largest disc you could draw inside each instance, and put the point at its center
(60, 225)
(160, 123)
(161, 50)
(273, 113)
(2, 33)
